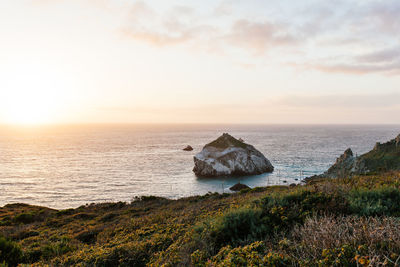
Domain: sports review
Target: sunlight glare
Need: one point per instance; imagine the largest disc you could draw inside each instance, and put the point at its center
(34, 97)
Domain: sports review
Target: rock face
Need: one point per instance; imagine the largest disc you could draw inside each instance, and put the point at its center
(343, 165)
(188, 148)
(229, 156)
(382, 158)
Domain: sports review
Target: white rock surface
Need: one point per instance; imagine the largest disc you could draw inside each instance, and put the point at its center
(229, 156)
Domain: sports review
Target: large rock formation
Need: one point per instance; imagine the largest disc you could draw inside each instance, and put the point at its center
(229, 156)
(382, 158)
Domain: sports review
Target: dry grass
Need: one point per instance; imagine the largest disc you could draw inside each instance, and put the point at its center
(377, 237)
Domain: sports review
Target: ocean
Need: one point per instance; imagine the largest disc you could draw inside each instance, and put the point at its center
(68, 166)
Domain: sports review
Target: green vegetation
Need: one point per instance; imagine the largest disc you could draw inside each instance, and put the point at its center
(226, 141)
(339, 222)
(383, 157)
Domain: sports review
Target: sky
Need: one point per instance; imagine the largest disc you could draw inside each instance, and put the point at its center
(226, 61)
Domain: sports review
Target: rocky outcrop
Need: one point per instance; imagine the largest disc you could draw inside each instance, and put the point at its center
(238, 187)
(343, 165)
(228, 156)
(188, 148)
(383, 157)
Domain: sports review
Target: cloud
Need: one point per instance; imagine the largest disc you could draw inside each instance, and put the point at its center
(182, 25)
(259, 37)
(384, 55)
(146, 25)
(385, 15)
(343, 101)
(384, 61)
(177, 34)
(393, 69)
(223, 9)
(363, 34)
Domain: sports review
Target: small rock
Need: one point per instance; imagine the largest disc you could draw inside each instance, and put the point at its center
(188, 148)
(239, 187)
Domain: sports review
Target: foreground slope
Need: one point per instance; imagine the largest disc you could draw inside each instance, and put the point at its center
(351, 222)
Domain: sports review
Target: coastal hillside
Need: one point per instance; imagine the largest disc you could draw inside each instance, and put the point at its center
(382, 158)
(343, 222)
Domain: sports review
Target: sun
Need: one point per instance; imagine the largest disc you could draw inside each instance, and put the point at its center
(33, 97)
(29, 108)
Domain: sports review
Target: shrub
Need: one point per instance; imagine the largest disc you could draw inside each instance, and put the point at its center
(55, 249)
(383, 201)
(88, 236)
(24, 218)
(148, 198)
(235, 228)
(65, 212)
(10, 252)
(250, 255)
(283, 212)
(5, 221)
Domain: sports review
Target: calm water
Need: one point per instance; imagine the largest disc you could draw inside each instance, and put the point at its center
(70, 166)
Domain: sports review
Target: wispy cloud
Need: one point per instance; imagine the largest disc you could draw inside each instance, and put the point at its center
(364, 33)
(145, 24)
(350, 101)
(381, 56)
(183, 25)
(259, 37)
(384, 61)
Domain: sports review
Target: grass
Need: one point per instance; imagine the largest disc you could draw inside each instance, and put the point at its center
(342, 222)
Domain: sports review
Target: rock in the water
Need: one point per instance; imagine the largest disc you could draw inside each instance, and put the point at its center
(188, 148)
(239, 187)
(229, 156)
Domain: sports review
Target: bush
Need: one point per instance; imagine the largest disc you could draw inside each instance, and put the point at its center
(55, 249)
(384, 201)
(283, 212)
(148, 198)
(235, 228)
(65, 212)
(88, 236)
(5, 221)
(24, 218)
(250, 255)
(10, 252)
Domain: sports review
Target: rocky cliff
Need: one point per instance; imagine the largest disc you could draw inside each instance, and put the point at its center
(383, 157)
(230, 156)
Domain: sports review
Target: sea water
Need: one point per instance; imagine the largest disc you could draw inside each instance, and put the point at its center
(72, 165)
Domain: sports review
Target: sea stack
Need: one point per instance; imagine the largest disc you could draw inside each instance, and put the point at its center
(229, 156)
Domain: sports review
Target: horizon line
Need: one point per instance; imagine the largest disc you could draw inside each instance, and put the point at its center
(188, 124)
